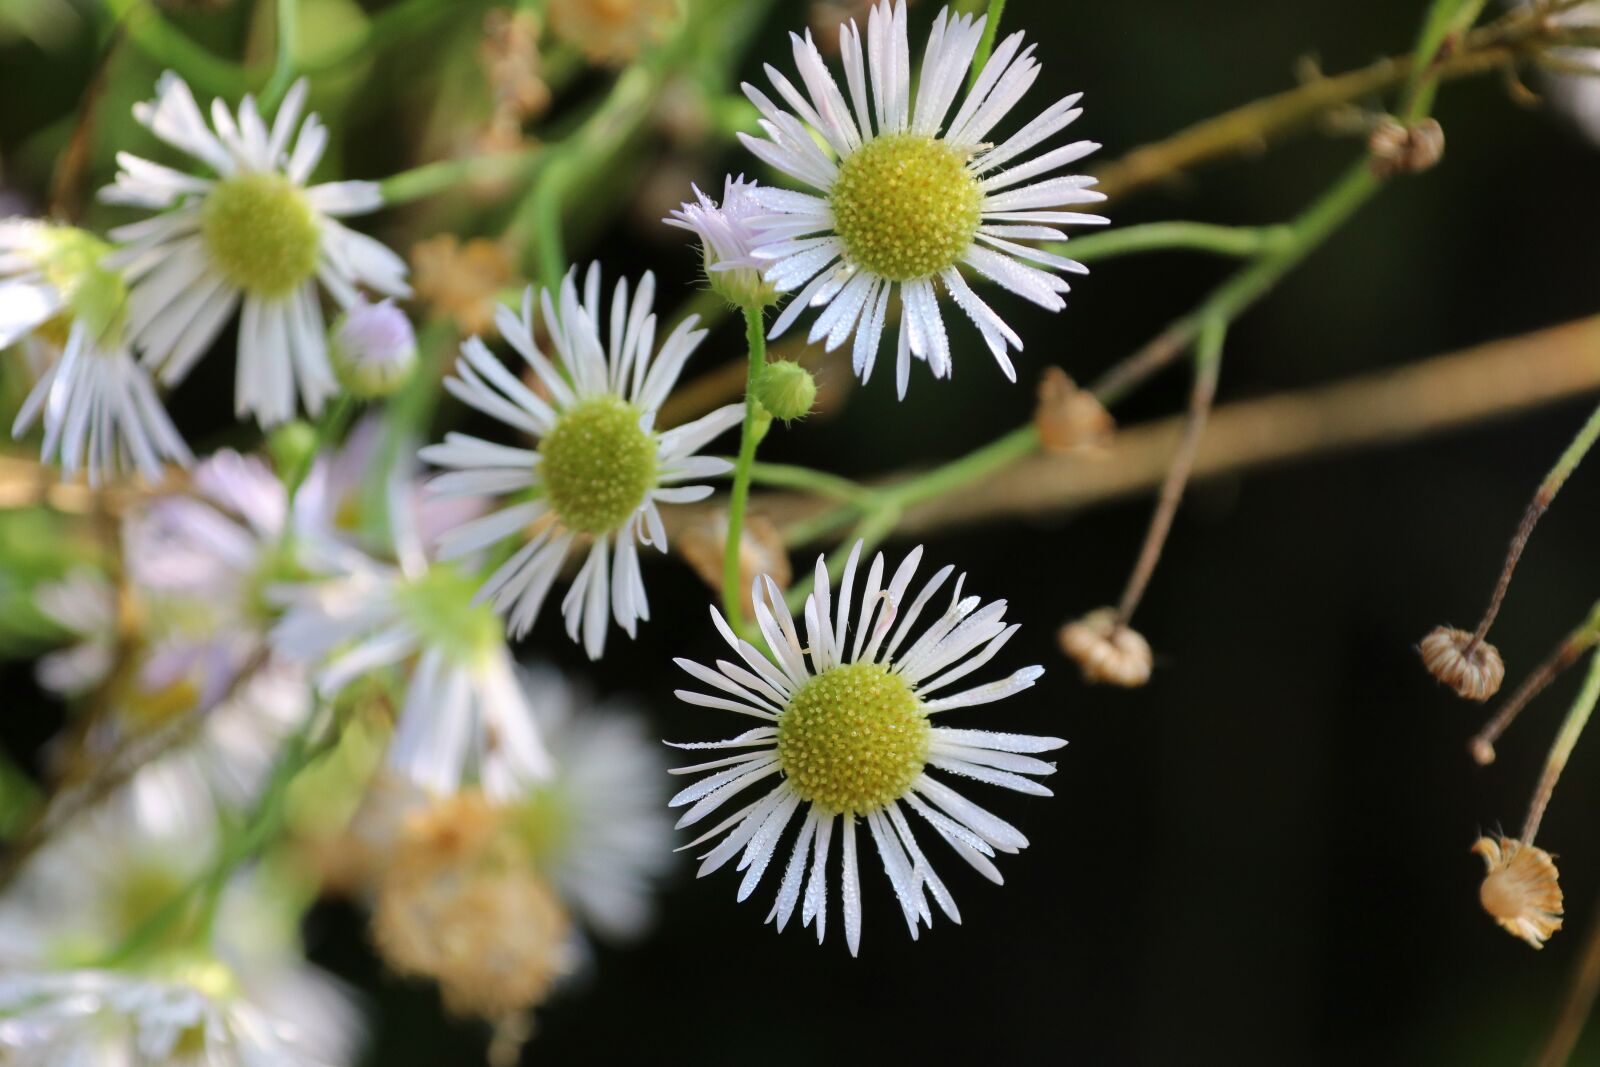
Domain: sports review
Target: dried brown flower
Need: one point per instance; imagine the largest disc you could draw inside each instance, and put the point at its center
(461, 280)
(761, 551)
(1400, 149)
(611, 31)
(1105, 652)
(1521, 888)
(461, 904)
(509, 56)
(1476, 676)
(1069, 418)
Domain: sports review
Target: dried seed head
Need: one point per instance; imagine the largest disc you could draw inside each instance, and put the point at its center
(1476, 676)
(461, 904)
(1521, 888)
(461, 280)
(1399, 149)
(1069, 418)
(1105, 652)
(761, 551)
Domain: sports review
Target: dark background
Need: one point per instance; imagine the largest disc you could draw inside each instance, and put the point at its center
(1260, 858)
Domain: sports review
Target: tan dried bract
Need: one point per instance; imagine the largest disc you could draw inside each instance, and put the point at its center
(1105, 652)
(761, 551)
(461, 280)
(1476, 676)
(1068, 418)
(1521, 888)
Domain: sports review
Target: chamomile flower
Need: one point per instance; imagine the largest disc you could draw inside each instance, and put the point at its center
(253, 237)
(600, 470)
(727, 234)
(849, 737)
(99, 408)
(905, 201)
(596, 827)
(463, 711)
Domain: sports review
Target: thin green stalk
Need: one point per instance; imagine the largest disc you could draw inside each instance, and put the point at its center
(786, 476)
(159, 39)
(446, 175)
(1241, 241)
(991, 29)
(750, 435)
(407, 16)
(1445, 19)
(1543, 497)
(1571, 729)
(1584, 637)
(283, 62)
(548, 195)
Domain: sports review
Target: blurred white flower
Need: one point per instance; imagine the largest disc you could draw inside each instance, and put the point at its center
(255, 237)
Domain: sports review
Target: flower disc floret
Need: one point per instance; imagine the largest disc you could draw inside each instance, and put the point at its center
(260, 233)
(598, 464)
(905, 206)
(853, 739)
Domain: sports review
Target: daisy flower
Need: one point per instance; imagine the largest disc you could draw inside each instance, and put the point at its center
(253, 237)
(904, 199)
(600, 470)
(727, 233)
(100, 411)
(463, 710)
(596, 827)
(849, 737)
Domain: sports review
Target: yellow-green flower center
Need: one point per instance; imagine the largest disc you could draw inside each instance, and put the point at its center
(905, 206)
(853, 739)
(598, 464)
(543, 823)
(69, 259)
(440, 605)
(260, 233)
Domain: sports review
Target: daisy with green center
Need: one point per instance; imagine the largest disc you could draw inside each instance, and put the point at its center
(254, 237)
(100, 412)
(600, 470)
(904, 200)
(463, 715)
(847, 731)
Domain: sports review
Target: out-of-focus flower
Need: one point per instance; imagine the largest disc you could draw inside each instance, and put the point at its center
(99, 409)
(373, 348)
(905, 203)
(1521, 888)
(726, 238)
(612, 31)
(1577, 92)
(509, 55)
(461, 280)
(600, 468)
(849, 737)
(460, 904)
(254, 237)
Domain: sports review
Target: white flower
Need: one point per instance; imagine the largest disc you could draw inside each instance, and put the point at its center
(849, 736)
(253, 237)
(908, 199)
(597, 827)
(463, 710)
(600, 470)
(727, 234)
(100, 411)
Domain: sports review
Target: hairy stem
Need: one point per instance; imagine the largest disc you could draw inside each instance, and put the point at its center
(749, 436)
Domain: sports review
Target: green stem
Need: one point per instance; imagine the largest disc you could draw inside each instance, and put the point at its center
(329, 429)
(447, 175)
(785, 476)
(165, 43)
(991, 29)
(1571, 730)
(283, 62)
(548, 195)
(1584, 637)
(749, 436)
(1241, 241)
(1445, 19)
(407, 16)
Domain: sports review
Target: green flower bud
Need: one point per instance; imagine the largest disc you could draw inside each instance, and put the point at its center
(786, 390)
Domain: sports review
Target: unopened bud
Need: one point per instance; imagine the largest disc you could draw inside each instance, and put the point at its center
(1475, 675)
(1521, 888)
(1107, 652)
(291, 446)
(1399, 149)
(373, 349)
(786, 390)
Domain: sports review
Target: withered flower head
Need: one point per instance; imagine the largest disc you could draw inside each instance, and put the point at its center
(1476, 676)
(1521, 888)
(1069, 418)
(1105, 652)
(461, 280)
(1400, 149)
